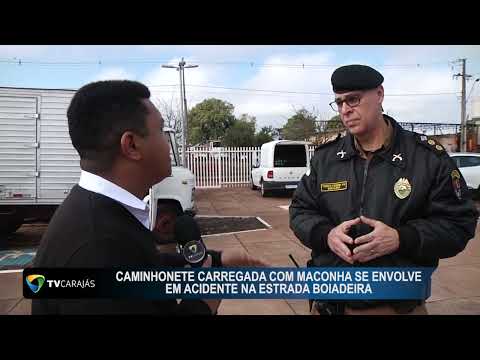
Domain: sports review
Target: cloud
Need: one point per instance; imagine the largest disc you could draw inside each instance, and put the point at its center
(212, 53)
(269, 108)
(114, 73)
(275, 108)
(23, 51)
(430, 78)
(164, 82)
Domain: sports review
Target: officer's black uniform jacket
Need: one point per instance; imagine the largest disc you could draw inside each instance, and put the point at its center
(435, 221)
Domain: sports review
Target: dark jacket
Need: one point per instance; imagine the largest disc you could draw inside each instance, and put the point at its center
(435, 220)
(90, 230)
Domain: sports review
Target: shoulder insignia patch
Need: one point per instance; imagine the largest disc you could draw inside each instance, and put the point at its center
(457, 188)
(431, 144)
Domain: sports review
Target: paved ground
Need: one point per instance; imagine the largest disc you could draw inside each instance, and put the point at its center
(455, 284)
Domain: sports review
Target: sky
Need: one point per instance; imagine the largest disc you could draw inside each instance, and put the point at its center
(268, 82)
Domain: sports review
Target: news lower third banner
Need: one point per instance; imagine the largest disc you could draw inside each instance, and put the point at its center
(349, 283)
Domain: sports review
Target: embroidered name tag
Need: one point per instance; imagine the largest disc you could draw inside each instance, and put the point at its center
(335, 186)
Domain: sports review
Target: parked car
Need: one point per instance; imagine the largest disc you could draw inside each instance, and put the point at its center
(469, 165)
(281, 165)
(209, 150)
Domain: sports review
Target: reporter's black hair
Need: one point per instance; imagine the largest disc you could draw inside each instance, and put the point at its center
(98, 115)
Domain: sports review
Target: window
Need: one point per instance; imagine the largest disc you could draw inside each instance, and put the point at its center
(290, 156)
(467, 161)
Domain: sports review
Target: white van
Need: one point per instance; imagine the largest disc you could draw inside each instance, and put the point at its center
(281, 165)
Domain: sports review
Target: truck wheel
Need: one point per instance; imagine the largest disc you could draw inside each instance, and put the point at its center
(10, 221)
(263, 191)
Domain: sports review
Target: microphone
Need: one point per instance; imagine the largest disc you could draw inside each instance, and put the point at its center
(190, 243)
(189, 240)
(186, 230)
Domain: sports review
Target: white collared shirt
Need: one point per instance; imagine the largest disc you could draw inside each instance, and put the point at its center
(99, 185)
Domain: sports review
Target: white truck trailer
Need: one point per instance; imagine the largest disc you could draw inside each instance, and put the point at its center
(39, 165)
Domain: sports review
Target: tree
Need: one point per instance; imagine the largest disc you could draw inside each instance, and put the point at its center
(241, 133)
(264, 135)
(334, 124)
(327, 130)
(209, 120)
(300, 126)
(171, 115)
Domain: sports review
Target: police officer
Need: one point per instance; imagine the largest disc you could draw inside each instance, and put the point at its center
(380, 196)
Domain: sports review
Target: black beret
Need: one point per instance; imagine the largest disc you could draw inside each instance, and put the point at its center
(355, 77)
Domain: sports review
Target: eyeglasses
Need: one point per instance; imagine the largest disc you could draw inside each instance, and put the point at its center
(351, 100)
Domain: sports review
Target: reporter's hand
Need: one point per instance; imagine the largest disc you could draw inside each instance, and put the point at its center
(235, 258)
(231, 258)
(213, 304)
(337, 238)
(208, 262)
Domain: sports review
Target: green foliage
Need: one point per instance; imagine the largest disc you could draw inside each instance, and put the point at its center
(242, 133)
(209, 120)
(301, 126)
(264, 135)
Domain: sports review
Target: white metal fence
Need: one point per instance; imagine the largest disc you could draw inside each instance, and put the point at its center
(223, 167)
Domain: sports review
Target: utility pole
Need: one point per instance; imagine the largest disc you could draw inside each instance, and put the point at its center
(183, 104)
(463, 119)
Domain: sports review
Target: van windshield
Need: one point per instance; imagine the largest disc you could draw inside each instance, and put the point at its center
(290, 156)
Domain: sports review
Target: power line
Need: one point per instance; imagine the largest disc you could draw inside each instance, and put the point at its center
(269, 92)
(424, 94)
(300, 92)
(16, 61)
(303, 65)
(253, 90)
(19, 61)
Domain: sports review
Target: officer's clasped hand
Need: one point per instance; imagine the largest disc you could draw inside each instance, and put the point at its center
(337, 238)
(381, 241)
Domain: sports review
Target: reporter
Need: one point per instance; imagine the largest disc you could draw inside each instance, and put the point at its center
(103, 223)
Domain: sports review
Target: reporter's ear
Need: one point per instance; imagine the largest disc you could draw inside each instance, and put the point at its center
(129, 146)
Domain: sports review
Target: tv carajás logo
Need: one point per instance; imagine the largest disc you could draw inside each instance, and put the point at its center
(35, 282)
